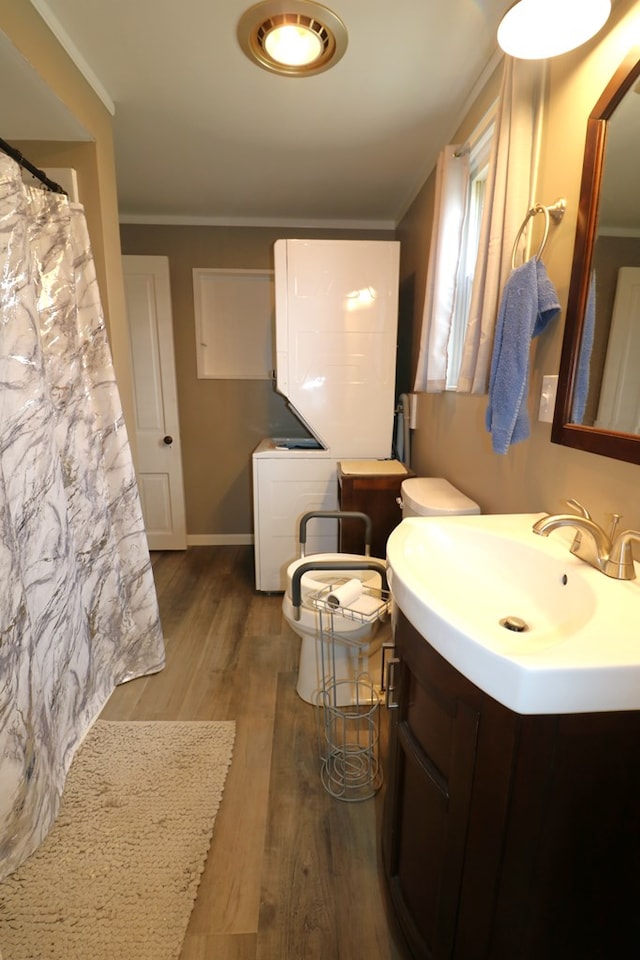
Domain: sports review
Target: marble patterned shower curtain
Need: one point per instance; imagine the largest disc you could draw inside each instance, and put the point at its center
(78, 609)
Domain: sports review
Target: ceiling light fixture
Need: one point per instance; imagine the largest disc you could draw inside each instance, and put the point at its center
(297, 38)
(537, 29)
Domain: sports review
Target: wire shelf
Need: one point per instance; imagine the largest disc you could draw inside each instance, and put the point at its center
(349, 735)
(373, 604)
(348, 716)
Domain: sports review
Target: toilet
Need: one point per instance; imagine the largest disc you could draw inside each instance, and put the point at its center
(356, 650)
(434, 497)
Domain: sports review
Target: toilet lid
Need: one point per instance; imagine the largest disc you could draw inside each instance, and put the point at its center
(434, 496)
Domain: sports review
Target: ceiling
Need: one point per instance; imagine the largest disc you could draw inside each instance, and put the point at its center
(203, 135)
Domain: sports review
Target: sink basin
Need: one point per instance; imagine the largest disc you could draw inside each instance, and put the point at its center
(459, 580)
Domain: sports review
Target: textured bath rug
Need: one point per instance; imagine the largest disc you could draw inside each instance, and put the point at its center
(118, 874)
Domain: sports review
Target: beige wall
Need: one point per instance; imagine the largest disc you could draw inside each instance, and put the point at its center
(451, 440)
(95, 163)
(221, 421)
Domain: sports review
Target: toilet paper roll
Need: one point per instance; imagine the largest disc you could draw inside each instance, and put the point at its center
(348, 593)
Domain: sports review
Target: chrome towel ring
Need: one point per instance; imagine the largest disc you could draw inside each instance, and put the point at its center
(555, 211)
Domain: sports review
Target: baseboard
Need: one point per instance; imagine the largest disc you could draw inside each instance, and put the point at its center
(219, 539)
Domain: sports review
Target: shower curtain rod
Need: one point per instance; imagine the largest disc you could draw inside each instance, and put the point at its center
(40, 175)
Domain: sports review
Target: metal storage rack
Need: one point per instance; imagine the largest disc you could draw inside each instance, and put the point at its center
(348, 734)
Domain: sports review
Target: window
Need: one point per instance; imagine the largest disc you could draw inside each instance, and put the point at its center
(479, 150)
(462, 174)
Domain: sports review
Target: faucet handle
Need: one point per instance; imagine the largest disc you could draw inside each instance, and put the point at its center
(615, 520)
(579, 508)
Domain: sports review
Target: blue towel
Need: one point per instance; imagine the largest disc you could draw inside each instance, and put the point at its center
(529, 302)
(581, 391)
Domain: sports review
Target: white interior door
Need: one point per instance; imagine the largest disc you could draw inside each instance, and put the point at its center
(148, 297)
(619, 407)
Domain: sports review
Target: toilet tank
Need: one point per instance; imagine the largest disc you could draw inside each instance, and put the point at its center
(434, 497)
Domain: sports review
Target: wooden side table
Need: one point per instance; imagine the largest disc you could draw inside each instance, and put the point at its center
(373, 493)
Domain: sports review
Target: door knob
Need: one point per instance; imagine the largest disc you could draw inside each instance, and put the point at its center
(168, 440)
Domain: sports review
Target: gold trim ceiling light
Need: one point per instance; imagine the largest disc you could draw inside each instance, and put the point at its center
(297, 38)
(537, 29)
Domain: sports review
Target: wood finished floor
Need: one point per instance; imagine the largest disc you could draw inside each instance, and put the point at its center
(292, 873)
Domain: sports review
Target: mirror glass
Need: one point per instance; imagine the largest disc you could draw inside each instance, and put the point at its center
(598, 406)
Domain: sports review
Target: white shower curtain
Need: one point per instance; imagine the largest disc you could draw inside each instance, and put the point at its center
(78, 609)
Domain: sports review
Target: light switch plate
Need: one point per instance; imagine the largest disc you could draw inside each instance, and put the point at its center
(548, 398)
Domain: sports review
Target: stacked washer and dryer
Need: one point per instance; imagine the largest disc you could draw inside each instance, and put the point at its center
(336, 316)
(336, 340)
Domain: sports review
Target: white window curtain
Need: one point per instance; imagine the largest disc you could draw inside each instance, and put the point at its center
(452, 180)
(510, 193)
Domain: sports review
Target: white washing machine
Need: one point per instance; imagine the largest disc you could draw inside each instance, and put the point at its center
(289, 481)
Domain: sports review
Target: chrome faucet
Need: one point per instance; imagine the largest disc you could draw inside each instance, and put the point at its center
(610, 554)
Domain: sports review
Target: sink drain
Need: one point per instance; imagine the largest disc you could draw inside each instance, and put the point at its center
(513, 623)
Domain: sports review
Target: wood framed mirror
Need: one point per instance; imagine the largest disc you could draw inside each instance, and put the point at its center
(598, 403)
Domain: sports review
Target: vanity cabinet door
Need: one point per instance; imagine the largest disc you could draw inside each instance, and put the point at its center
(433, 739)
(508, 837)
(569, 884)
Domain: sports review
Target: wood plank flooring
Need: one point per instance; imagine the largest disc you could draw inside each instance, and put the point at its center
(292, 873)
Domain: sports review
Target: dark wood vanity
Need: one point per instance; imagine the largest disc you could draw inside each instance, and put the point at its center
(508, 837)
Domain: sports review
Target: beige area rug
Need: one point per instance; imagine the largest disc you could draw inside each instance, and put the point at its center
(118, 874)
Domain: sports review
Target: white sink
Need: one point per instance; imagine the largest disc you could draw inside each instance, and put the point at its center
(457, 578)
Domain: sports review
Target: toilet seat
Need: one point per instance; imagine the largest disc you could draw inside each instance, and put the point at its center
(316, 580)
(354, 643)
